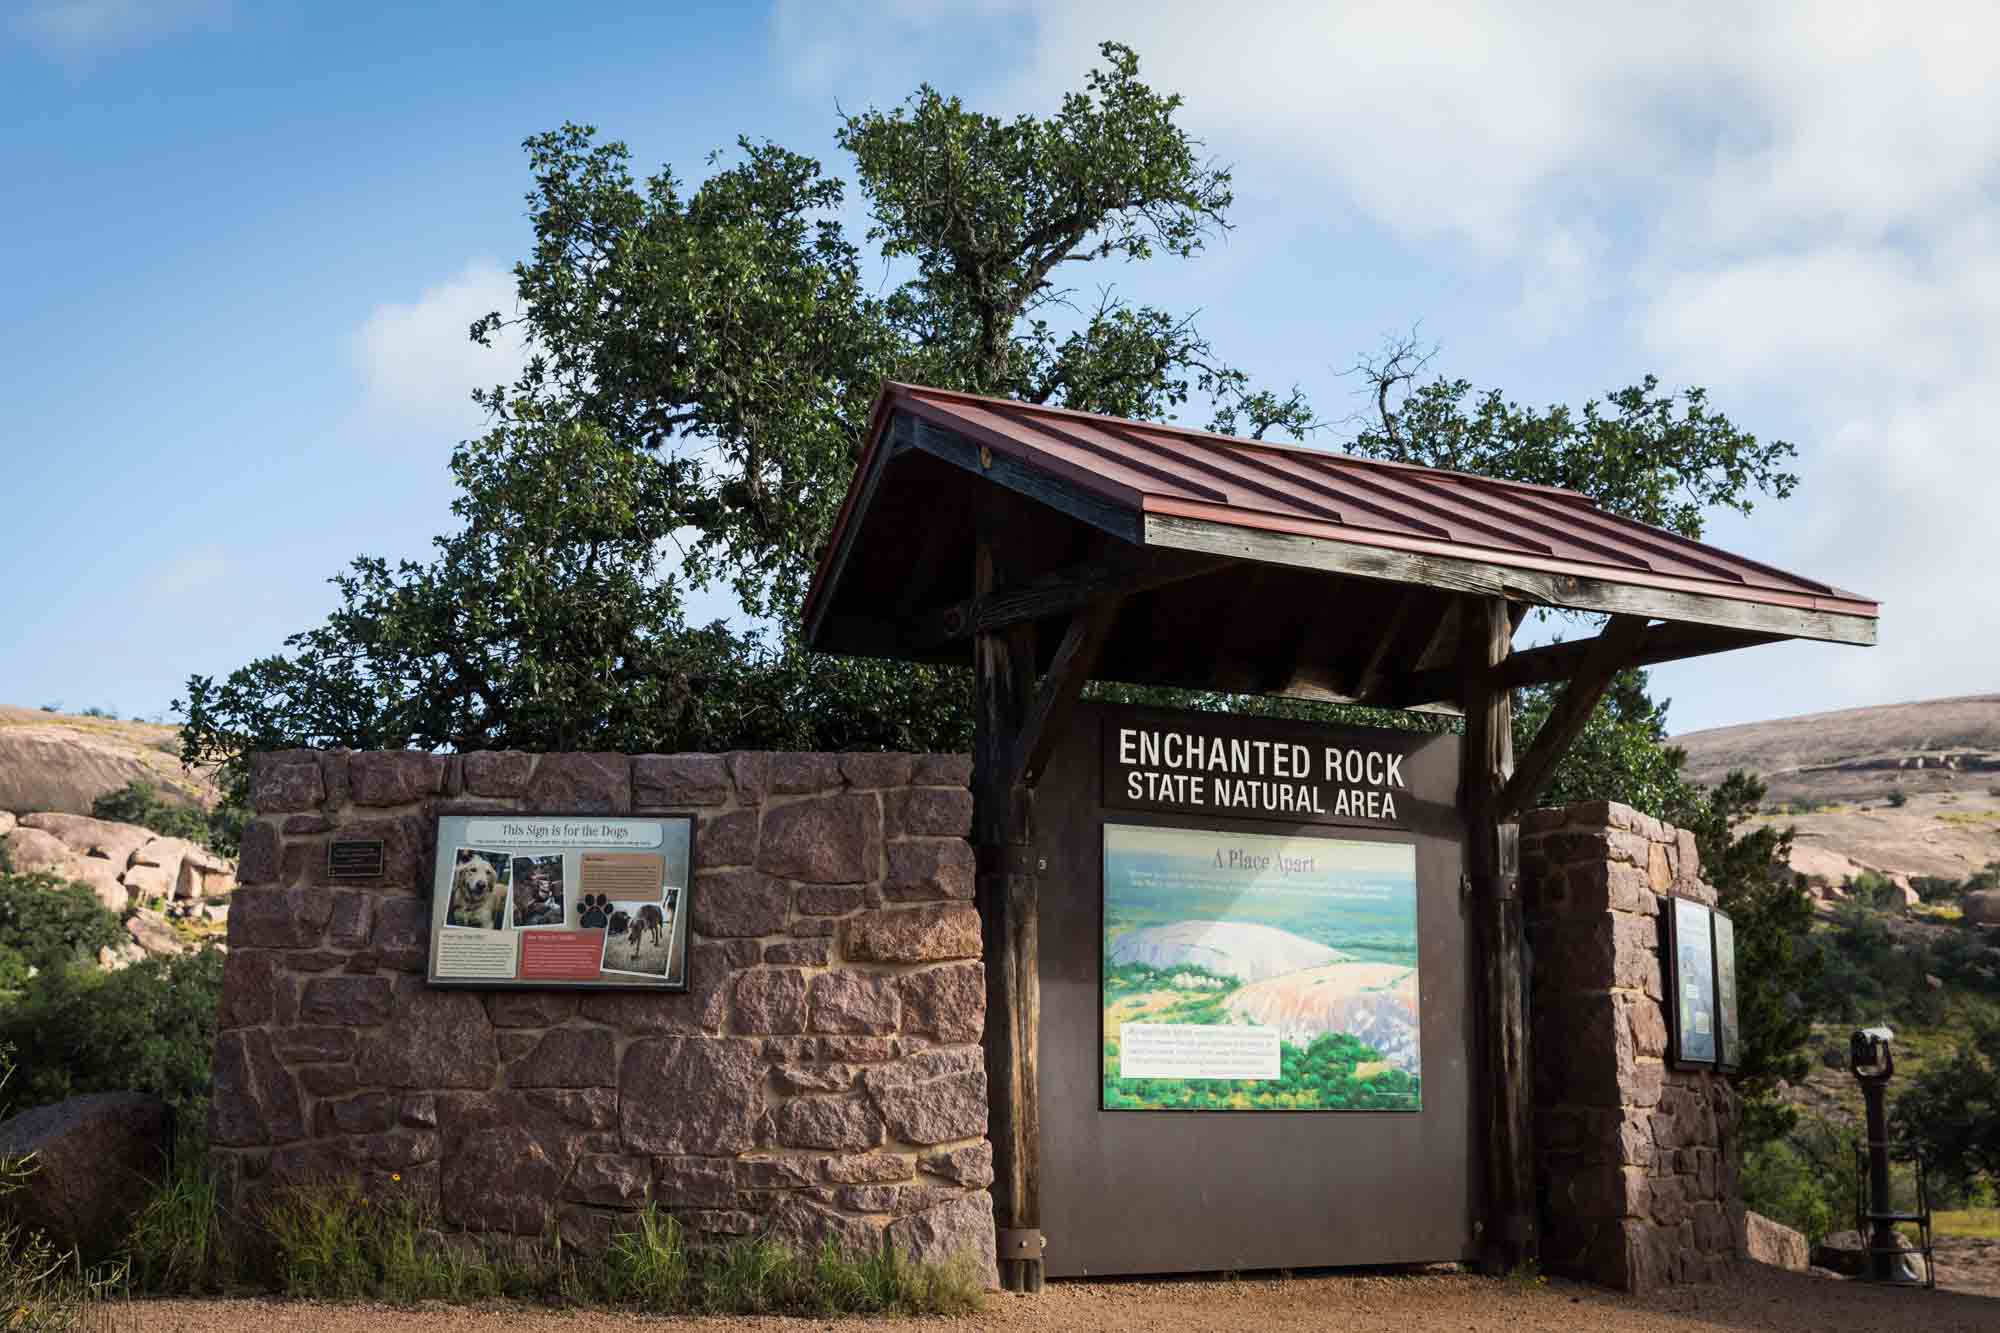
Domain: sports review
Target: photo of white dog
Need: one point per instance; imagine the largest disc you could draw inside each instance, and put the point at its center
(479, 889)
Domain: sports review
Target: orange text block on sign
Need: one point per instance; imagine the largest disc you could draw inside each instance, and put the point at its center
(624, 876)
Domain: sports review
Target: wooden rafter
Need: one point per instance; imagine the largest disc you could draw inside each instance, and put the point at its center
(1058, 593)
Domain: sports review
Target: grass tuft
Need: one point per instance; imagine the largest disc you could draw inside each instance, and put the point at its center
(336, 1241)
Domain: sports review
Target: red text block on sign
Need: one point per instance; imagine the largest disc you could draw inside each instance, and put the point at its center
(561, 955)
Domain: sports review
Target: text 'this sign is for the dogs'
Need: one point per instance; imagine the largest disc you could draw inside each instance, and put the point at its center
(1254, 768)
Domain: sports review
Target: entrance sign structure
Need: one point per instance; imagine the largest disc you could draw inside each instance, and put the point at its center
(1047, 548)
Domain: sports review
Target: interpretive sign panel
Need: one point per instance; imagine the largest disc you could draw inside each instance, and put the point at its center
(1255, 768)
(1256, 972)
(548, 900)
(1692, 948)
(1728, 1031)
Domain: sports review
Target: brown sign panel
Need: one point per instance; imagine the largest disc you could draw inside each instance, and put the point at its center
(354, 858)
(1257, 768)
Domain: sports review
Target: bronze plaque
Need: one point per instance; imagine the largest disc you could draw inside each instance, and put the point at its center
(355, 858)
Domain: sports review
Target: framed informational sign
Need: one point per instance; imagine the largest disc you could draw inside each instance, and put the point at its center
(1691, 947)
(1259, 972)
(1728, 1028)
(561, 901)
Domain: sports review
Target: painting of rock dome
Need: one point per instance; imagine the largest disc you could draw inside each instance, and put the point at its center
(1250, 972)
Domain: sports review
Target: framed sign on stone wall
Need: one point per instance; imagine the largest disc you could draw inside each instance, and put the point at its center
(1691, 975)
(1728, 1023)
(1257, 972)
(555, 901)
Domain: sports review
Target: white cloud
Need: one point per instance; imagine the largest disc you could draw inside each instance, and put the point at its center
(71, 27)
(190, 572)
(418, 359)
(1793, 201)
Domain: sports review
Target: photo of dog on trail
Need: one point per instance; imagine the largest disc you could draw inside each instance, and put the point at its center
(479, 881)
(538, 891)
(640, 938)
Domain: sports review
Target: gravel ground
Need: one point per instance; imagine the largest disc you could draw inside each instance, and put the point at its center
(1764, 1299)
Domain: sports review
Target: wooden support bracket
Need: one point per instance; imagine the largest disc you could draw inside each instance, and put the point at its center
(1609, 653)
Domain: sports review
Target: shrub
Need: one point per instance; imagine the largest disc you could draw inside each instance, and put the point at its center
(47, 925)
(1898, 799)
(147, 1028)
(220, 830)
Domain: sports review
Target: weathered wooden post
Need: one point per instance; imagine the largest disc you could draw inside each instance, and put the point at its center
(1492, 865)
(1005, 889)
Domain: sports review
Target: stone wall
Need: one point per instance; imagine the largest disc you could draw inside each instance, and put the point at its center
(1637, 1162)
(822, 1076)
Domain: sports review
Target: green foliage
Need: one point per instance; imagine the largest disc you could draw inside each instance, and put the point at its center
(336, 1241)
(47, 925)
(1621, 755)
(220, 830)
(1898, 799)
(147, 1028)
(1664, 459)
(1804, 1179)
(648, 1265)
(1952, 1112)
(1876, 890)
(177, 1242)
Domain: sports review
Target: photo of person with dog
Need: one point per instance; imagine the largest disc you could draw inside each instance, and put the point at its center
(538, 892)
(479, 889)
(639, 937)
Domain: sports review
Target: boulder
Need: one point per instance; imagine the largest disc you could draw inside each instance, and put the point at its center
(167, 854)
(85, 836)
(1773, 1243)
(102, 879)
(208, 877)
(153, 933)
(1846, 1253)
(148, 884)
(30, 850)
(7, 822)
(96, 1160)
(1981, 907)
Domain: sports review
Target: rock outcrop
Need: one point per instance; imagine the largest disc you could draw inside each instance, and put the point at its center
(1237, 949)
(1373, 1002)
(145, 878)
(52, 761)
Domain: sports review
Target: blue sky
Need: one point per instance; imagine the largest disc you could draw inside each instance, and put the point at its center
(247, 240)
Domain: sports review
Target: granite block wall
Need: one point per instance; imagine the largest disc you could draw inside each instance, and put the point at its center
(1637, 1162)
(821, 1078)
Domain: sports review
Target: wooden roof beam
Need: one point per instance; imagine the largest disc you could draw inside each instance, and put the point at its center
(1535, 587)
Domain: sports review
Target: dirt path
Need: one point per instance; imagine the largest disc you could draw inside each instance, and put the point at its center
(1763, 1299)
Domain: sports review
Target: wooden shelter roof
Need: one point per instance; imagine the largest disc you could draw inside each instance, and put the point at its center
(1232, 542)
